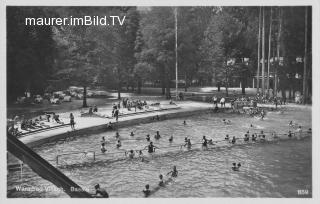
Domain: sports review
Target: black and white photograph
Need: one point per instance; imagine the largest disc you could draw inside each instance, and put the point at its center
(138, 101)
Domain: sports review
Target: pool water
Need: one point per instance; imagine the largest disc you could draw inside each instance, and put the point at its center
(271, 169)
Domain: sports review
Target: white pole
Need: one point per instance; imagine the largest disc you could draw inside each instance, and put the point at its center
(176, 48)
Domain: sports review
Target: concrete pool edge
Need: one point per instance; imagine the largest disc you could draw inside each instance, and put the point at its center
(95, 129)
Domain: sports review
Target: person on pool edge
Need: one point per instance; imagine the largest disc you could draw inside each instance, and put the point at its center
(101, 192)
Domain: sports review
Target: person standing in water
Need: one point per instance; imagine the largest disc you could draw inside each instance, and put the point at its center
(161, 182)
(151, 148)
(157, 136)
(174, 172)
(204, 142)
(171, 139)
(146, 191)
(103, 148)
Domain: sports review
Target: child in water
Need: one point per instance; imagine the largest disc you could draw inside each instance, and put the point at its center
(148, 138)
(233, 141)
(146, 191)
(171, 139)
(235, 168)
(161, 182)
(174, 172)
(227, 137)
(131, 154)
(103, 148)
(119, 144)
(117, 134)
(131, 134)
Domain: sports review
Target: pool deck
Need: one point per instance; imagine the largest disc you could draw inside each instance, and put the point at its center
(86, 125)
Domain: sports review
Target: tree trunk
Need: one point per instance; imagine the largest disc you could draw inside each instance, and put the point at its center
(119, 90)
(259, 42)
(243, 85)
(269, 51)
(278, 52)
(168, 95)
(84, 102)
(185, 83)
(305, 57)
(139, 86)
(263, 52)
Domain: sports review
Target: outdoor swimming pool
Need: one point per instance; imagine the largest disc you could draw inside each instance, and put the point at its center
(277, 169)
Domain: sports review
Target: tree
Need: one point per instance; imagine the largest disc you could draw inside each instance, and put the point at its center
(221, 45)
(157, 29)
(30, 53)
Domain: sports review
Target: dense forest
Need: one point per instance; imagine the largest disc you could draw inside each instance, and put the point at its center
(215, 45)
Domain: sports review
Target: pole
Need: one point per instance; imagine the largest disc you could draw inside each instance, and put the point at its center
(176, 47)
(263, 52)
(305, 57)
(269, 51)
(278, 53)
(259, 42)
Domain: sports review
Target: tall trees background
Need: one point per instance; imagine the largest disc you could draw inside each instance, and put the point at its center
(216, 45)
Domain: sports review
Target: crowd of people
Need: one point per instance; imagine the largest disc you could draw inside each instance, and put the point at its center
(21, 125)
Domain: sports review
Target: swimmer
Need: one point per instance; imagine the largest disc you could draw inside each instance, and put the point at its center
(291, 123)
(161, 182)
(131, 154)
(148, 138)
(185, 140)
(210, 142)
(188, 144)
(151, 148)
(119, 144)
(101, 192)
(171, 139)
(117, 134)
(233, 141)
(184, 122)
(246, 137)
(174, 172)
(263, 138)
(131, 134)
(227, 137)
(146, 191)
(309, 131)
(103, 148)
(290, 134)
(262, 134)
(253, 138)
(103, 140)
(204, 142)
(157, 136)
(251, 125)
(235, 167)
